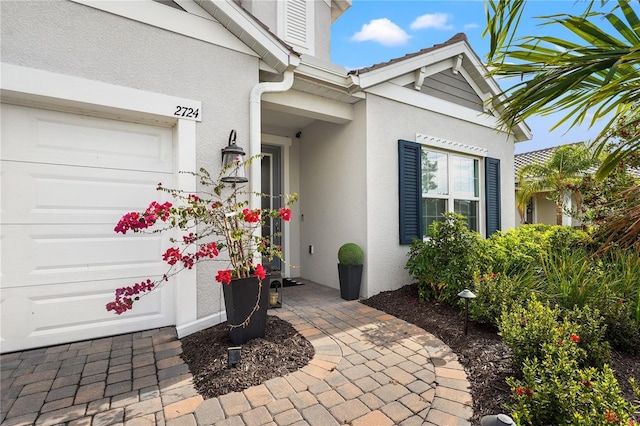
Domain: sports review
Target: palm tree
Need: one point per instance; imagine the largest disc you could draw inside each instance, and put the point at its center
(563, 170)
(597, 78)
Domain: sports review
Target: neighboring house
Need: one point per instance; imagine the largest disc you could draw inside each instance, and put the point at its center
(541, 209)
(103, 100)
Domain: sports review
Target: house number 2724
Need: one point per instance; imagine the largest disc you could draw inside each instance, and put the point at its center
(186, 112)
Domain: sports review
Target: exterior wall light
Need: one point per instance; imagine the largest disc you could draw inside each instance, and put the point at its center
(232, 159)
(466, 294)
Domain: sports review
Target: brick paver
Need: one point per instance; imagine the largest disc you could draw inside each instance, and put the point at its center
(369, 368)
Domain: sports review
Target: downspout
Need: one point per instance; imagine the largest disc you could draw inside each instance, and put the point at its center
(255, 130)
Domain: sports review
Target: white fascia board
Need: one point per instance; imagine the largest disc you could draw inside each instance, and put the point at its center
(338, 7)
(430, 103)
(232, 17)
(310, 106)
(408, 65)
(326, 73)
(170, 19)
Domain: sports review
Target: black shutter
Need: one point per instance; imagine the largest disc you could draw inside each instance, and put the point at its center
(492, 187)
(410, 190)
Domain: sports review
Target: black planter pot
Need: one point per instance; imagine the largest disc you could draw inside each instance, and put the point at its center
(239, 299)
(350, 278)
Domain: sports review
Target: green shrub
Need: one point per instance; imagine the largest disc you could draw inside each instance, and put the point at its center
(623, 332)
(498, 292)
(554, 390)
(524, 247)
(572, 278)
(447, 261)
(350, 254)
(590, 326)
(526, 329)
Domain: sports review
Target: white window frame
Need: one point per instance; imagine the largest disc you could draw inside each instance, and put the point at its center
(451, 197)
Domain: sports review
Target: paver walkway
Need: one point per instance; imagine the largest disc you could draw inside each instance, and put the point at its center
(369, 368)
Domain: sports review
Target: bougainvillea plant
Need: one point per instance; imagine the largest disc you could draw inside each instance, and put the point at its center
(213, 223)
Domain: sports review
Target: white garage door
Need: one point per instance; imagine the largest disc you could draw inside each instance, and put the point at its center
(66, 180)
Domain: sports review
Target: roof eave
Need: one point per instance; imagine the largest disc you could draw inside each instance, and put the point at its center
(271, 50)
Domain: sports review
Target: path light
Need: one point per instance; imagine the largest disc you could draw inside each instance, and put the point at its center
(466, 294)
(232, 159)
(496, 420)
(234, 355)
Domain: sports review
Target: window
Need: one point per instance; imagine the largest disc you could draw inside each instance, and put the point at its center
(432, 182)
(449, 183)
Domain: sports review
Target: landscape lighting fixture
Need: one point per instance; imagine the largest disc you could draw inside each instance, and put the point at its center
(234, 355)
(496, 420)
(232, 161)
(466, 294)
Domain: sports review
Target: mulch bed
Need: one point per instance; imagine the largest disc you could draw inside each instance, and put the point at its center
(485, 358)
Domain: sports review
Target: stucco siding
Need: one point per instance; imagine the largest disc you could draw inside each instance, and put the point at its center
(76, 40)
(388, 121)
(332, 195)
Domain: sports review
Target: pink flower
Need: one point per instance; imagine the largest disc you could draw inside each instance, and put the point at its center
(260, 272)
(122, 304)
(172, 256)
(189, 239)
(209, 250)
(251, 216)
(285, 214)
(224, 277)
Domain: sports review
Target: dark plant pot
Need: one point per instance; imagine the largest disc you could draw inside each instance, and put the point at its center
(350, 278)
(239, 299)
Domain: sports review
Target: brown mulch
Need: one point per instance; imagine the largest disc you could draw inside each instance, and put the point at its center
(283, 350)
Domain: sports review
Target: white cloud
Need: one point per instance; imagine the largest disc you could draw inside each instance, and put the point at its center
(382, 31)
(471, 26)
(432, 20)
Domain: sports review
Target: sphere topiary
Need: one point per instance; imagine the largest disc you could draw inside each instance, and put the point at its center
(350, 254)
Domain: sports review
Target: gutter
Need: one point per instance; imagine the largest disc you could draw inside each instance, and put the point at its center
(255, 130)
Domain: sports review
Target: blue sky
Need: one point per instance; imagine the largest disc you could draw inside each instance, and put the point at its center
(374, 31)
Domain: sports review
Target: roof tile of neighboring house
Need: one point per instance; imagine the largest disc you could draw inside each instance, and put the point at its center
(455, 39)
(542, 155)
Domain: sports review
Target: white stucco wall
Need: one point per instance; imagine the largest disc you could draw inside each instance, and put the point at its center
(77, 40)
(388, 121)
(332, 195)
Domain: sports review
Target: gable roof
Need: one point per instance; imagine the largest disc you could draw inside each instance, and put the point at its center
(455, 54)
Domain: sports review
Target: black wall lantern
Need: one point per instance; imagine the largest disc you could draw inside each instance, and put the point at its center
(232, 160)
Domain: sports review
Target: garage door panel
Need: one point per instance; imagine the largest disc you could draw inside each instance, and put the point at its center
(66, 180)
(76, 253)
(38, 135)
(51, 314)
(37, 193)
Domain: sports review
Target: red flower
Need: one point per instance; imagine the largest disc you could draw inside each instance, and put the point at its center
(260, 272)
(172, 256)
(611, 416)
(224, 277)
(528, 392)
(208, 250)
(285, 214)
(520, 391)
(574, 338)
(586, 383)
(251, 216)
(560, 342)
(189, 239)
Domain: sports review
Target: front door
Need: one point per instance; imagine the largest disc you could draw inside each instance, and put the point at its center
(272, 185)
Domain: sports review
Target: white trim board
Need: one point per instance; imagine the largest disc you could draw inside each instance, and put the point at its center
(30, 84)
